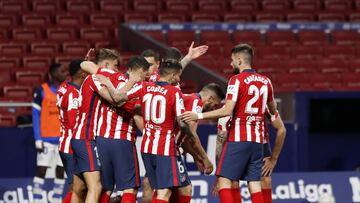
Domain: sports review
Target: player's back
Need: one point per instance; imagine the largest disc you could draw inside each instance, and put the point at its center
(251, 92)
(161, 104)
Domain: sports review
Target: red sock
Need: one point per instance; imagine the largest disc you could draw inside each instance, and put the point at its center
(226, 195)
(257, 197)
(154, 197)
(67, 198)
(128, 198)
(161, 201)
(236, 195)
(104, 198)
(183, 199)
(267, 195)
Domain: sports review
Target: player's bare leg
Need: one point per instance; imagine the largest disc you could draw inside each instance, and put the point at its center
(79, 190)
(163, 194)
(93, 184)
(148, 192)
(266, 188)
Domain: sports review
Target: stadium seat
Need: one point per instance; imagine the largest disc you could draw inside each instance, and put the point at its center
(269, 17)
(80, 6)
(7, 6)
(113, 6)
(354, 65)
(44, 48)
(266, 66)
(25, 34)
(339, 51)
(66, 59)
(103, 20)
(7, 63)
(30, 77)
(17, 91)
(272, 52)
(188, 86)
(214, 37)
(60, 34)
(331, 17)
(323, 81)
(357, 5)
(5, 76)
(247, 6)
(13, 49)
(250, 37)
(171, 18)
(354, 17)
(212, 6)
(157, 35)
(75, 48)
(344, 37)
(337, 5)
(306, 52)
(309, 6)
(8, 20)
(299, 66)
(36, 20)
(275, 5)
(44, 6)
(179, 6)
(138, 18)
(280, 38)
(36, 62)
(180, 36)
(3, 36)
(69, 20)
(333, 66)
(314, 37)
(300, 17)
(94, 34)
(237, 17)
(147, 5)
(7, 121)
(205, 18)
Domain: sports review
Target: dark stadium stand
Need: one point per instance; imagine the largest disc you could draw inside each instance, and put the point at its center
(38, 32)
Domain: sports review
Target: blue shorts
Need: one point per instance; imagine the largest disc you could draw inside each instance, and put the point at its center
(85, 156)
(119, 163)
(69, 164)
(267, 150)
(241, 161)
(165, 171)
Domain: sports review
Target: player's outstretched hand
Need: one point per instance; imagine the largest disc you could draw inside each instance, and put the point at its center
(269, 165)
(189, 116)
(195, 52)
(104, 80)
(89, 54)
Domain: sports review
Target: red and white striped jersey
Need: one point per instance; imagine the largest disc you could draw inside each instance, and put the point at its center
(192, 102)
(89, 106)
(154, 77)
(114, 122)
(161, 104)
(223, 123)
(251, 92)
(67, 97)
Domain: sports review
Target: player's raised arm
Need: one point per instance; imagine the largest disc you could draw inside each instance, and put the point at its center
(270, 162)
(89, 67)
(193, 53)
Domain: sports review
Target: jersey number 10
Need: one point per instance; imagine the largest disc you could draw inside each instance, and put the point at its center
(155, 108)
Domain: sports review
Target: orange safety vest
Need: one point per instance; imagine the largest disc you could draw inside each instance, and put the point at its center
(49, 115)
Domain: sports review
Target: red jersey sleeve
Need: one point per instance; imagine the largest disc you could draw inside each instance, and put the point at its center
(179, 103)
(95, 84)
(136, 92)
(232, 92)
(270, 92)
(73, 106)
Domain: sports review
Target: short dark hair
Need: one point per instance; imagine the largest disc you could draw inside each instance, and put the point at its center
(53, 67)
(215, 88)
(106, 54)
(245, 49)
(74, 66)
(169, 66)
(173, 53)
(151, 53)
(138, 62)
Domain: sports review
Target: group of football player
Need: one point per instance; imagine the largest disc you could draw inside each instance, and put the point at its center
(101, 110)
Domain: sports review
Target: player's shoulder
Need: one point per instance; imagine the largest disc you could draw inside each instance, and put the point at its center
(105, 71)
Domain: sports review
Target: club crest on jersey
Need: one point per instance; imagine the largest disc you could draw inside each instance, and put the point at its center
(198, 109)
(231, 89)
